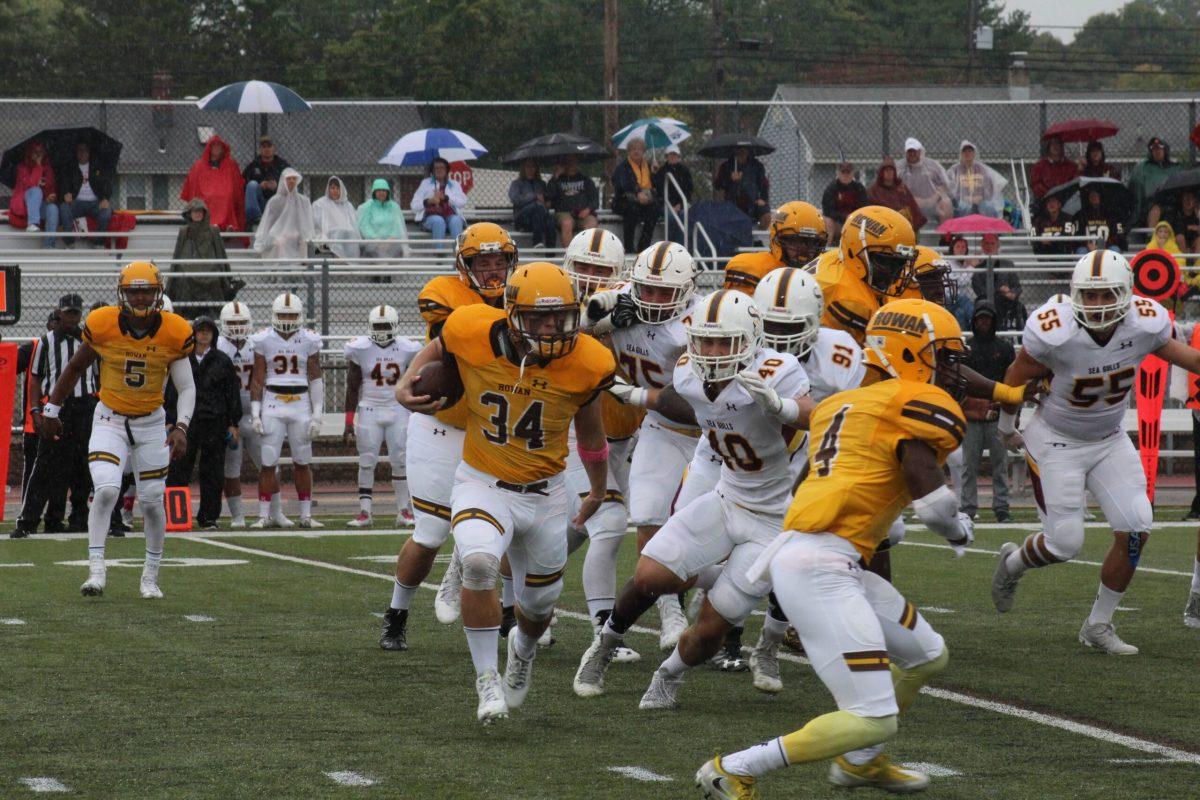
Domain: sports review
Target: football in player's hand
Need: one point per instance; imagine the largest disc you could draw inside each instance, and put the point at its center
(439, 379)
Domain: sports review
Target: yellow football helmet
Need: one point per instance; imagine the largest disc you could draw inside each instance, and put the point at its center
(480, 239)
(801, 226)
(140, 276)
(930, 273)
(881, 244)
(916, 340)
(543, 309)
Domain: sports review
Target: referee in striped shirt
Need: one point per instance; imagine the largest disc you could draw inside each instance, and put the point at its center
(61, 463)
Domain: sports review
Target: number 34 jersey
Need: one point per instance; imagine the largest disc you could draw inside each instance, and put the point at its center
(518, 419)
(1091, 382)
(381, 367)
(287, 359)
(133, 369)
(855, 487)
(751, 445)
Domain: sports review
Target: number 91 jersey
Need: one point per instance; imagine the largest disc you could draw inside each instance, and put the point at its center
(1091, 382)
(133, 370)
(287, 359)
(381, 367)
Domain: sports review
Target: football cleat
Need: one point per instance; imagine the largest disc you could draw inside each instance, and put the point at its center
(491, 698)
(674, 623)
(97, 575)
(237, 522)
(260, 524)
(363, 520)
(626, 655)
(20, 533)
(764, 667)
(880, 773)
(589, 678)
(404, 519)
(518, 675)
(1191, 614)
(395, 630)
(717, 784)
(1103, 636)
(448, 602)
(1004, 585)
(508, 620)
(149, 589)
(729, 658)
(791, 640)
(663, 691)
(309, 522)
(280, 521)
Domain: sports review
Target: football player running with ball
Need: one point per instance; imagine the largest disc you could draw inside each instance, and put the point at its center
(871, 451)
(527, 374)
(137, 344)
(1089, 348)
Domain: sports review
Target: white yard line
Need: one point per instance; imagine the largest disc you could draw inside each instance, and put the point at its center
(44, 785)
(11, 621)
(1080, 562)
(937, 610)
(283, 533)
(17, 565)
(198, 618)
(1049, 720)
(641, 774)
(350, 779)
(933, 770)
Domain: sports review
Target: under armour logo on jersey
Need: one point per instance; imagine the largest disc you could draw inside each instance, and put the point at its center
(731, 407)
(1125, 345)
(540, 383)
(651, 334)
(439, 431)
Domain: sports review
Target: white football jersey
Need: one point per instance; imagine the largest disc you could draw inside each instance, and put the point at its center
(755, 458)
(834, 364)
(243, 361)
(287, 359)
(1089, 391)
(381, 367)
(647, 355)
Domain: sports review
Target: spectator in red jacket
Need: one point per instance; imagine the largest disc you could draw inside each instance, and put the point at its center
(216, 180)
(1053, 169)
(33, 206)
(888, 190)
(1095, 163)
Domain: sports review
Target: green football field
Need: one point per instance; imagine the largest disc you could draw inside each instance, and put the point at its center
(259, 676)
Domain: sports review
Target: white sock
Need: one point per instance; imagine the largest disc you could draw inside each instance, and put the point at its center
(484, 644)
(508, 597)
(402, 595)
(403, 499)
(155, 517)
(306, 509)
(860, 757)
(266, 508)
(773, 630)
(366, 480)
(364, 502)
(99, 517)
(276, 505)
(674, 665)
(1105, 605)
(756, 760)
(596, 606)
(235, 506)
(1196, 576)
(600, 573)
(1014, 564)
(525, 645)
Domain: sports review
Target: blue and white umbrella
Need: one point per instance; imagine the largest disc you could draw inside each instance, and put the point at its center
(254, 97)
(420, 148)
(656, 132)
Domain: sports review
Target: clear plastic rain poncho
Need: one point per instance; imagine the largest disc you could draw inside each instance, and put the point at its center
(287, 222)
(336, 219)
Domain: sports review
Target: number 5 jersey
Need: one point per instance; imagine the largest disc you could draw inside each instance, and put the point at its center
(133, 369)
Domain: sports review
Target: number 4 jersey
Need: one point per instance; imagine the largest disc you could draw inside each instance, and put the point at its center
(381, 367)
(287, 359)
(1091, 381)
(133, 369)
(518, 419)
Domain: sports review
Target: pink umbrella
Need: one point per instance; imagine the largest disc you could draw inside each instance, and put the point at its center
(975, 223)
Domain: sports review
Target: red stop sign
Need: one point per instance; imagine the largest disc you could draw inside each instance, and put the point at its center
(461, 172)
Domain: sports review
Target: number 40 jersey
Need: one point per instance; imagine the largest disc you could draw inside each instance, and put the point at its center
(1088, 393)
(381, 367)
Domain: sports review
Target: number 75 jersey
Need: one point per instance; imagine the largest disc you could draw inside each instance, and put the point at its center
(1090, 387)
(381, 367)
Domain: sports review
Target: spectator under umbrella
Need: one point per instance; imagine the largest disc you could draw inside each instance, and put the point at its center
(888, 190)
(742, 180)
(334, 217)
(215, 179)
(1052, 169)
(287, 222)
(1097, 220)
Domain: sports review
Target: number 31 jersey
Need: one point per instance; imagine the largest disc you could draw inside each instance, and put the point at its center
(287, 359)
(1091, 382)
(752, 446)
(381, 367)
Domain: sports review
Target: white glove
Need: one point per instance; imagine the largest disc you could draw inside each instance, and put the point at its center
(968, 526)
(766, 397)
(314, 428)
(257, 425)
(1013, 440)
(601, 303)
(627, 393)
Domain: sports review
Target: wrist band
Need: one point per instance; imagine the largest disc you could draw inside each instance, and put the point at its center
(1007, 422)
(592, 455)
(50, 410)
(1009, 395)
(256, 409)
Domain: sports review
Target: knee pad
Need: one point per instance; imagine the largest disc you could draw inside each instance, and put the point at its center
(537, 602)
(1064, 535)
(480, 571)
(302, 454)
(106, 495)
(367, 460)
(609, 521)
(398, 469)
(1137, 540)
(150, 493)
(730, 602)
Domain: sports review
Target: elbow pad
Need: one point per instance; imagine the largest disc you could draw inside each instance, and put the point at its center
(938, 511)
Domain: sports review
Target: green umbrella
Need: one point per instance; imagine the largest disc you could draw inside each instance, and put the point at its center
(656, 132)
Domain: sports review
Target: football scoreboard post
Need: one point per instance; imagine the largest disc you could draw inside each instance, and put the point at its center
(10, 314)
(1155, 275)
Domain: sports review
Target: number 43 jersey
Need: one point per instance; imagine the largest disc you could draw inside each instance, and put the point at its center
(855, 487)
(752, 446)
(1090, 387)
(381, 367)
(287, 359)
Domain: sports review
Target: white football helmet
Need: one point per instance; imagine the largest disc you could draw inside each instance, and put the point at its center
(1103, 270)
(595, 260)
(286, 313)
(236, 322)
(167, 305)
(383, 322)
(724, 336)
(790, 301)
(665, 265)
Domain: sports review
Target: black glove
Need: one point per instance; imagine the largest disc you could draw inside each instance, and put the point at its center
(624, 314)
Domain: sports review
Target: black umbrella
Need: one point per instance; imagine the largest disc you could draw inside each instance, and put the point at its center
(1186, 181)
(723, 145)
(554, 146)
(60, 149)
(1115, 195)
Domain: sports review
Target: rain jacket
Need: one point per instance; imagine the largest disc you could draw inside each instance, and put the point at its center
(1147, 177)
(990, 356)
(287, 222)
(1047, 174)
(384, 220)
(977, 184)
(926, 179)
(220, 186)
(1101, 170)
(30, 175)
(199, 240)
(888, 190)
(336, 219)
(453, 191)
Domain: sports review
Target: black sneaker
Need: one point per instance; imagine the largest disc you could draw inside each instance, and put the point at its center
(508, 620)
(116, 531)
(395, 630)
(20, 533)
(55, 527)
(730, 658)
(1192, 516)
(1003, 516)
